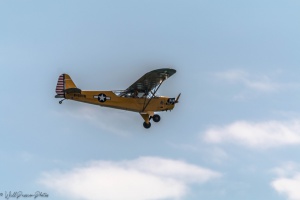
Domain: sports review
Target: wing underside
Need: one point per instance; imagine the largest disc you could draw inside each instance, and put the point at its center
(149, 81)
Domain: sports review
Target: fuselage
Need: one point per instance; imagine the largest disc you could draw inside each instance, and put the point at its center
(135, 104)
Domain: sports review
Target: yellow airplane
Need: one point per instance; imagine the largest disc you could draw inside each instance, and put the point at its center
(139, 97)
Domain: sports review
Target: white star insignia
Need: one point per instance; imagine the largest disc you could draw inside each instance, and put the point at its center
(102, 97)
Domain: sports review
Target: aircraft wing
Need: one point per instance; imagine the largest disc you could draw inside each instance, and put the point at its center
(150, 81)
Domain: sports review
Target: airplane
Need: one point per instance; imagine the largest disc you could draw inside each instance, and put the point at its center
(139, 97)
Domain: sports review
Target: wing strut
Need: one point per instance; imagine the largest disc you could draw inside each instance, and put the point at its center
(153, 92)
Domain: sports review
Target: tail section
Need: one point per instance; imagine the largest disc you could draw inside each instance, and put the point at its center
(65, 85)
(60, 87)
(68, 82)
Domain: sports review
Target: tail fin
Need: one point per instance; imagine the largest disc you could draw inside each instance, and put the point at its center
(65, 85)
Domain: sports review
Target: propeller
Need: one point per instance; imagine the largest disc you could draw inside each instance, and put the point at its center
(176, 101)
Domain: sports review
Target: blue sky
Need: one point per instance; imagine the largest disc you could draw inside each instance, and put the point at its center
(234, 135)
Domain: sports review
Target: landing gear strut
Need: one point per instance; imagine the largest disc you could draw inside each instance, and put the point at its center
(147, 125)
(147, 118)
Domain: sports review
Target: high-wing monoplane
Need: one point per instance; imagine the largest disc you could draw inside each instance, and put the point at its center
(139, 97)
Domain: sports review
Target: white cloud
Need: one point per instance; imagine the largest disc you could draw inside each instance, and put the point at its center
(256, 135)
(260, 83)
(288, 181)
(143, 178)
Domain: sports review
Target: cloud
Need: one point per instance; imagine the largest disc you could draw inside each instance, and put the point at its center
(256, 135)
(287, 181)
(259, 83)
(142, 178)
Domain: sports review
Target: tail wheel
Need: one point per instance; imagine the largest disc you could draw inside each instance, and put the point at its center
(147, 125)
(60, 102)
(156, 118)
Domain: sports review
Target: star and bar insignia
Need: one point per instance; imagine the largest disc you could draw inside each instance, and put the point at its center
(102, 97)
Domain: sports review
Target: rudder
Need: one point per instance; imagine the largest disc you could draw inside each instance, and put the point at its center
(65, 85)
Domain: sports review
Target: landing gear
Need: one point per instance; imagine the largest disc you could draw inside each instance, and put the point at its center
(147, 125)
(60, 102)
(156, 118)
(147, 118)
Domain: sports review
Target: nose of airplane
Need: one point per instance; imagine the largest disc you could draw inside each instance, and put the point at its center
(173, 101)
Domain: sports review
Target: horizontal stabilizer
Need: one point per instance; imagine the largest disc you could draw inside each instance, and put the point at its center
(59, 96)
(73, 91)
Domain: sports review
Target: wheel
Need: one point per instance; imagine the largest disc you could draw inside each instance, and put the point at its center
(156, 118)
(60, 102)
(147, 125)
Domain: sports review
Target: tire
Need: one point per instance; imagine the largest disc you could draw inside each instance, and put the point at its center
(147, 125)
(156, 118)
